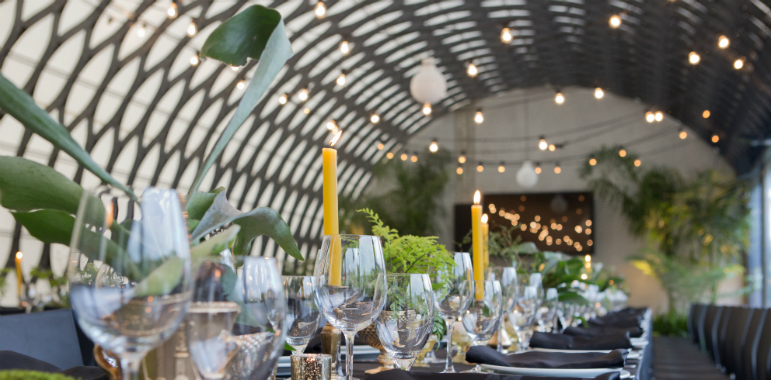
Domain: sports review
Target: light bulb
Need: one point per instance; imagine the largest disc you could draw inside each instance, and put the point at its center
(537, 168)
(615, 21)
(434, 147)
(506, 36)
(172, 11)
(598, 93)
(414, 158)
(472, 70)
(705, 114)
(345, 47)
(552, 147)
(462, 158)
(404, 157)
(542, 144)
(592, 161)
(659, 116)
(650, 117)
(427, 109)
(501, 168)
(738, 64)
(283, 99)
(320, 10)
(195, 60)
(374, 118)
(234, 67)
(694, 58)
(331, 125)
(480, 167)
(380, 146)
(715, 138)
(683, 134)
(622, 152)
(723, 42)
(557, 169)
(479, 118)
(241, 85)
(303, 95)
(389, 155)
(141, 31)
(559, 98)
(192, 29)
(341, 80)
(637, 162)
(459, 170)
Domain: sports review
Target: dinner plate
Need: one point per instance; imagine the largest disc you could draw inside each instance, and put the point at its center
(631, 354)
(555, 372)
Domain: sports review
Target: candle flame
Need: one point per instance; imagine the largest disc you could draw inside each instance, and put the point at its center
(477, 197)
(336, 138)
(19, 255)
(484, 218)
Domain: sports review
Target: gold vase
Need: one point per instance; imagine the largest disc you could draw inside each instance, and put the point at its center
(426, 349)
(369, 336)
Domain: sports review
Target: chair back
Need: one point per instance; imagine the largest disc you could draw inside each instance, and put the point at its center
(722, 355)
(738, 326)
(748, 369)
(49, 336)
(763, 362)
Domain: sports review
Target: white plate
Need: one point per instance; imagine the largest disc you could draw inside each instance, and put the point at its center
(556, 372)
(631, 353)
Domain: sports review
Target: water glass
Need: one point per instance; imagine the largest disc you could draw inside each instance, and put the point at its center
(507, 276)
(405, 323)
(454, 297)
(351, 278)
(302, 313)
(523, 315)
(483, 316)
(548, 310)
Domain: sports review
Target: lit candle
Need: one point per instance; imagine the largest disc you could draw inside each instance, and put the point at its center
(331, 224)
(19, 277)
(486, 240)
(477, 247)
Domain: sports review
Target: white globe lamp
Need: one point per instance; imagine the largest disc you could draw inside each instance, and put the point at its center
(526, 175)
(428, 85)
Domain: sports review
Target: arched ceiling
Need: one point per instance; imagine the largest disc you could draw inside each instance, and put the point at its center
(118, 75)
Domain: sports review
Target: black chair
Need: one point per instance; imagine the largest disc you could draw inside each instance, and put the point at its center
(694, 316)
(707, 332)
(749, 350)
(736, 335)
(764, 352)
(721, 356)
(48, 336)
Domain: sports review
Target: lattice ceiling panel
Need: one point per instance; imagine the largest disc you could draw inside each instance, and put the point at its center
(118, 74)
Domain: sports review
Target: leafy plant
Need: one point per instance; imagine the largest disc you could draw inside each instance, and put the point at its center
(58, 286)
(32, 375)
(670, 325)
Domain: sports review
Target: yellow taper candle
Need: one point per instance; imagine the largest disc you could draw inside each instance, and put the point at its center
(478, 247)
(486, 241)
(331, 224)
(19, 277)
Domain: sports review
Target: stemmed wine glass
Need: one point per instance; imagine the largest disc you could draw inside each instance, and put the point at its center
(507, 276)
(351, 278)
(302, 315)
(452, 299)
(523, 315)
(547, 310)
(129, 271)
(483, 316)
(405, 324)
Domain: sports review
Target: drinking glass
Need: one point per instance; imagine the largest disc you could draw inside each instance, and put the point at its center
(507, 276)
(547, 310)
(405, 323)
(454, 297)
(523, 315)
(302, 313)
(351, 279)
(483, 316)
(129, 270)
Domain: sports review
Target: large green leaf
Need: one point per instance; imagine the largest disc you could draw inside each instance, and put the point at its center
(22, 107)
(260, 221)
(226, 43)
(199, 202)
(26, 185)
(216, 244)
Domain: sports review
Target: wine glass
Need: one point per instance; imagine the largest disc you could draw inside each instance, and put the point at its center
(507, 276)
(454, 297)
(129, 271)
(483, 316)
(302, 313)
(547, 310)
(350, 275)
(405, 323)
(522, 316)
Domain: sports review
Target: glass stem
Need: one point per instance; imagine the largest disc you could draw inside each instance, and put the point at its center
(129, 367)
(349, 335)
(519, 341)
(299, 349)
(500, 336)
(404, 364)
(448, 366)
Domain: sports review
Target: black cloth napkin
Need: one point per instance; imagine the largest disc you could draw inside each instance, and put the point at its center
(593, 331)
(396, 374)
(541, 359)
(10, 360)
(569, 342)
(617, 320)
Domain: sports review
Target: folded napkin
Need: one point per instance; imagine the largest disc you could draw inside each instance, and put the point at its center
(569, 342)
(617, 320)
(10, 360)
(541, 359)
(397, 374)
(592, 331)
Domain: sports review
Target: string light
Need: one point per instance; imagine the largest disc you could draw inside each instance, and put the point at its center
(715, 138)
(615, 21)
(331, 125)
(537, 168)
(472, 70)
(192, 29)
(598, 93)
(552, 147)
(506, 36)
(622, 152)
(459, 170)
(659, 116)
(434, 147)
(557, 168)
(390, 155)
(462, 158)
(479, 118)
(404, 157)
(374, 118)
(723, 42)
(705, 114)
(303, 95)
(341, 80)
(142, 30)
(694, 58)
(542, 144)
(283, 99)
(683, 134)
(380, 146)
(637, 162)
(195, 59)
(234, 67)
(501, 168)
(592, 161)
(345, 47)
(650, 117)
(241, 85)
(480, 167)
(559, 98)
(427, 109)
(414, 157)
(738, 64)
(320, 10)
(172, 11)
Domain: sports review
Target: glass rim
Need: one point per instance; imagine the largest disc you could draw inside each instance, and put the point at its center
(407, 274)
(352, 235)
